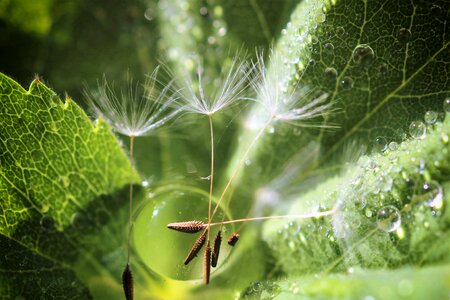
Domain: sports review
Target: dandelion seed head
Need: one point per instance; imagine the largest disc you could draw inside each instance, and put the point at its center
(228, 89)
(291, 104)
(139, 109)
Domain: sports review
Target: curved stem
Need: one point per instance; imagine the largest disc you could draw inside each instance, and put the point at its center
(130, 224)
(211, 178)
(239, 165)
(295, 216)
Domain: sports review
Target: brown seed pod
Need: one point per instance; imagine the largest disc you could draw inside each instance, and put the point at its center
(216, 251)
(233, 239)
(198, 244)
(207, 263)
(188, 227)
(127, 283)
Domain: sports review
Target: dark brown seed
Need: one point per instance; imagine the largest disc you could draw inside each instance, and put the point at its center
(233, 239)
(207, 263)
(127, 282)
(198, 244)
(188, 227)
(216, 251)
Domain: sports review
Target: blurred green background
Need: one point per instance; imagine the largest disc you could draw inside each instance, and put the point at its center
(70, 42)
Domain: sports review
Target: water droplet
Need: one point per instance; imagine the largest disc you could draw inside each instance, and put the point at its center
(320, 18)
(385, 182)
(47, 222)
(430, 117)
(247, 162)
(340, 30)
(393, 146)
(404, 35)
(283, 32)
(417, 130)
(383, 68)
(145, 183)
(347, 82)
(447, 105)
(271, 129)
(151, 238)
(363, 54)
(368, 212)
(331, 73)
(77, 221)
(149, 14)
(328, 47)
(389, 218)
(431, 192)
(380, 144)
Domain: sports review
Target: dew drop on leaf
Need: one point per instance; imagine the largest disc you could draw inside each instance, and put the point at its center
(430, 117)
(383, 68)
(431, 192)
(328, 47)
(380, 144)
(417, 130)
(331, 73)
(404, 35)
(388, 218)
(447, 105)
(393, 146)
(47, 222)
(340, 30)
(347, 82)
(363, 54)
(320, 17)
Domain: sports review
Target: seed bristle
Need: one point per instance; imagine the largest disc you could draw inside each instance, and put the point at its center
(216, 251)
(187, 227)
(207, 263)
(198, 244)
(127, 282)
(233, 239)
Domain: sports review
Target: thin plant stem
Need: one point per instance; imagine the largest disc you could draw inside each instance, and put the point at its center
(239, 165)
(130, 224)
(211, 178)
(294, 216)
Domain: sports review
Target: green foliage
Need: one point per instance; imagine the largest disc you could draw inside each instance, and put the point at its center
(58, 174)
(416, 231)
(33, 17)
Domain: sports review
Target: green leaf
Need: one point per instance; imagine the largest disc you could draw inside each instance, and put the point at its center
(405, 283)
(411, 184)
(395, 85)
(57, 172)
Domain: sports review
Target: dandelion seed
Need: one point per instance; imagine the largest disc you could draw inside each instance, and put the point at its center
(188, 227)
(233, 239)
(232, 85)
(138, 110)
(127, 283)
(283, 104)
(133, 114)
(216, 250)
(198, 244)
